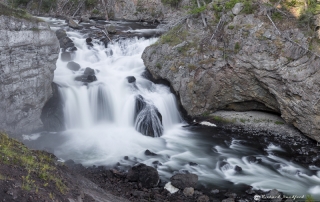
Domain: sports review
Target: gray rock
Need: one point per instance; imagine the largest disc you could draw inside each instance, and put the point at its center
(182, 181)
(188, 191)
(203, 198)
(29, 50)
(73, 24)
(237, 8)
(273, 72)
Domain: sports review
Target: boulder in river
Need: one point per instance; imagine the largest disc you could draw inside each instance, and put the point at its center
(88, 76)
(73, 24)
(131, 79)
(73, 66)
(66, 57)
(146, 175)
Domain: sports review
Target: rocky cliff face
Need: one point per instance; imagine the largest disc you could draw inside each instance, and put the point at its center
(28, 52)
(241, 63)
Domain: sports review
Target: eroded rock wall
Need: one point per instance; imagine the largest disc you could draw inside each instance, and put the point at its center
(246, 60)
(28, 53)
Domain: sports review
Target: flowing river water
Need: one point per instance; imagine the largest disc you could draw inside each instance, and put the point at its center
(102, 126)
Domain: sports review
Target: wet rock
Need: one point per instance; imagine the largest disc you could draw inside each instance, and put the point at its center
(111, 29)
(66, 57)
(238, 169)
(250, 191)
(188, 191)
(88, 40)
(89, 71)
(88, 76)
(85, 18)
(91, 78)
(131, 79)
(148, 119)
(73, 66)
(61, 33)
(52, 115)
(149, 153)
(105, 41)
(73, 24)
(157, 163)
(237, 8)
(203, 198)
(71, 49)
(192, 164)
(146, 175)
(182, 181)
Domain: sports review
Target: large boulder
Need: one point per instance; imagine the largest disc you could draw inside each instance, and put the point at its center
(146, 175)
(29, 51)
(246, 60)
(183, 181)
(52, 115)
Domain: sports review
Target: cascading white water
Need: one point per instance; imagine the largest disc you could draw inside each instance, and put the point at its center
(101, 121)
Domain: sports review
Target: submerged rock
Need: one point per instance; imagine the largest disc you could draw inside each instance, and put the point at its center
(66, 57)
(73, 66)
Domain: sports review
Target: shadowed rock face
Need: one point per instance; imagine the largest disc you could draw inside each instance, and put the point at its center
(29, 51)
(249, 63)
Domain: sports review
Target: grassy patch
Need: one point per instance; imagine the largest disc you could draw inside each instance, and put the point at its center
(279, 122)
(223, 120)
(18, 13)
(38, 164)
(174, 37)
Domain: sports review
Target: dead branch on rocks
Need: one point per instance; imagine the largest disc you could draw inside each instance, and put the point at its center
(80, 5)
(288, 39)
(218, 27)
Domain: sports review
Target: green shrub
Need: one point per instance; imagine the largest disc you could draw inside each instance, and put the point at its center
(230, 4)
(247, 7)
(90, 3)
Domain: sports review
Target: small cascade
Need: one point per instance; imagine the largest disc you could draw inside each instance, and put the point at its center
(101, 103)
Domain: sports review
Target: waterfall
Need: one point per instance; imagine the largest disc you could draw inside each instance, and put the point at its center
(121, 95)
(110, 117)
